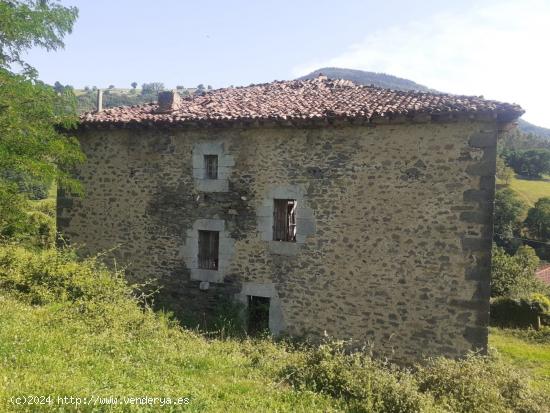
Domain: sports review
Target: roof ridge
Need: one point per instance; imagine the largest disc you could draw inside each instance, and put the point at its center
(317, 98)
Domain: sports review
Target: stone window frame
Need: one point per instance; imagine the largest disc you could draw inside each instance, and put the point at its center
(225, 167)
(305, 219)
(268, 290)
(225, 250)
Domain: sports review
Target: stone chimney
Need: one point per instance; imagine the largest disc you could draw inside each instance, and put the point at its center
(168, 101)
(99, 100)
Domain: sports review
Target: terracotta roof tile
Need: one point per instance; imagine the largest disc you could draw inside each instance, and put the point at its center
(543, 274)
(313, 99)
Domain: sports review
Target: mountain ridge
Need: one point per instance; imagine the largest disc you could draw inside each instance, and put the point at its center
(387, 81)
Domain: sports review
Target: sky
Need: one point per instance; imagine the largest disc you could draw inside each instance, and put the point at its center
(494, 48)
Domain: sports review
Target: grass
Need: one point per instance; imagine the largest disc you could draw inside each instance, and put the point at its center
(72, 328)
(528, 355)
(44, 352)
(51, 350)
(530, 190)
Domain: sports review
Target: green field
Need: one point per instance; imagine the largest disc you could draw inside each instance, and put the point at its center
(42, 352)
(528, 355)
(71, 328)
(530, 190)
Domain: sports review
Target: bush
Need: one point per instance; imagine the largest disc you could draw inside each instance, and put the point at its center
(46, 206)
(478, 384)
(56, 276)
(514, 275)
(366, 385)
(41, 230)
(520, 312)
(81, 302)
(536, 336)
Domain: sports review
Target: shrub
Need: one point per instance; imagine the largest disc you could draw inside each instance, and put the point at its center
(46, 206)
(520, 312)
(54, 276)
(537, 336)
(42, 230)
(478, 384)
(363, 383)
(514, 275)
(83, 290)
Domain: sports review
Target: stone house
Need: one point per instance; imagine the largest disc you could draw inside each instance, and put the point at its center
(320, 205)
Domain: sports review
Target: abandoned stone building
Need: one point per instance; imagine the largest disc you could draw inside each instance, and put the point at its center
(320, 205)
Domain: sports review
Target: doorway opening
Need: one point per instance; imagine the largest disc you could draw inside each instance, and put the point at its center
(258, 314)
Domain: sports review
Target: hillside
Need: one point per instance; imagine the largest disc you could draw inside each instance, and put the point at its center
(527, 127)
(73, 328)
(393, 82)
(530, 190)
(368, 78)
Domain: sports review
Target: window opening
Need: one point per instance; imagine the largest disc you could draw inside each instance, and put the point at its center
(284, 220)
(211, 166)
(209, 242)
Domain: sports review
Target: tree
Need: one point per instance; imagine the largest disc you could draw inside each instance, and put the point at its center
(538, 220)
(32, 23)
(514, 275)
(134, 85)
(531, 163)
(508, 215)
(209, 87)
(200, 87)
(58, 87)
(111, 86)
(152, 88)
(504, 172)
(31, 112)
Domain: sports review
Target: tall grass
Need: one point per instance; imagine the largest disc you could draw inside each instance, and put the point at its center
(72, 327)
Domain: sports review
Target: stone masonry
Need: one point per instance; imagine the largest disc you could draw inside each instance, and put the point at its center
(394, 225)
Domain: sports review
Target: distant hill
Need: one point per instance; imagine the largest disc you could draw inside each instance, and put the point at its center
(362, 77)
(527, 127)
(368, 78)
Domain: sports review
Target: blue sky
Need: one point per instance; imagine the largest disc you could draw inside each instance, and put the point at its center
(490, 48)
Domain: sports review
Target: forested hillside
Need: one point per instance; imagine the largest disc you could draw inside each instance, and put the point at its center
(362, 77)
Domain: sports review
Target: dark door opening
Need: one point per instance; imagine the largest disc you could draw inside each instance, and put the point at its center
(258, 314)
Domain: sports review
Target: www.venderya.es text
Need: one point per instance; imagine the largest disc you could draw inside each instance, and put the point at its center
(98, 400)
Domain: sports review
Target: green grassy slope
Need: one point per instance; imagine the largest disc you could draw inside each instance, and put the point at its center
(533, 357)
(45, 352)
(531, 190)
(72, 328)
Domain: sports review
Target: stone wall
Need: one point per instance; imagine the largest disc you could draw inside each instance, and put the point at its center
(394, 240)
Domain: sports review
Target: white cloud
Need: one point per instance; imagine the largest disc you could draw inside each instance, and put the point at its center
(500, 51)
